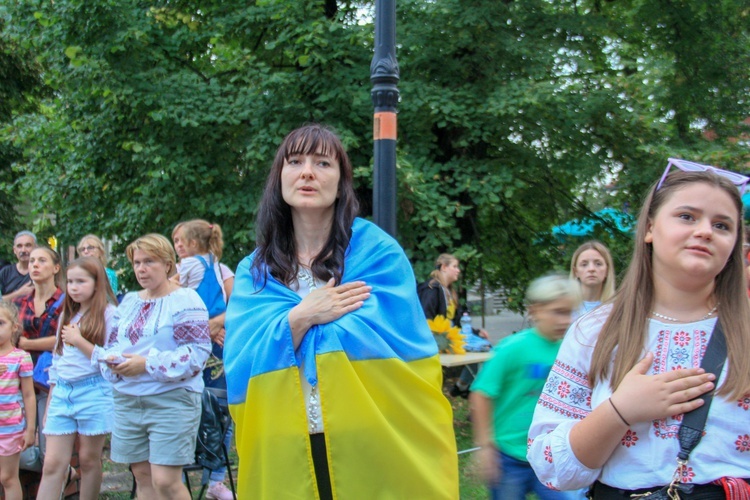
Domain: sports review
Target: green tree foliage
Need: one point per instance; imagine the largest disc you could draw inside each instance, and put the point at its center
(514, 115)
(20, 87)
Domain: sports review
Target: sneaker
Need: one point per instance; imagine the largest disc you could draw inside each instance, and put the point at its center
(457, 391)
(217, 491)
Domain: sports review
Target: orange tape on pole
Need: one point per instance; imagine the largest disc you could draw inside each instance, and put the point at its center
(384, 125)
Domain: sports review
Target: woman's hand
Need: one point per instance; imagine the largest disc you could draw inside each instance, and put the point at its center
(71, 334)
(216, 328)
(219, 337)
(643, 398)
(326, 304)
(133, 366)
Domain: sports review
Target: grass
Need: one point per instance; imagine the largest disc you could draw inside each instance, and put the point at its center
(470, 485)
(118, 477)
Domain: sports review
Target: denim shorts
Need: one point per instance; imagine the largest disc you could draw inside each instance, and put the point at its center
(161, 428)
(83, 406)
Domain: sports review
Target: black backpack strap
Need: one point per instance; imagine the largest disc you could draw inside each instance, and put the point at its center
(693, 422)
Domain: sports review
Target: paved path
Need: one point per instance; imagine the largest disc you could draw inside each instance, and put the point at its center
(500, 325)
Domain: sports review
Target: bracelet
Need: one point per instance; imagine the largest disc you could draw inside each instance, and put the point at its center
(618, 412)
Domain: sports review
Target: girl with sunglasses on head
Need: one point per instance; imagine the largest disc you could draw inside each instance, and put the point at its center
(628, 373)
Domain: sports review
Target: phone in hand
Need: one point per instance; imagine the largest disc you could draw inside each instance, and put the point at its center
(113, 360)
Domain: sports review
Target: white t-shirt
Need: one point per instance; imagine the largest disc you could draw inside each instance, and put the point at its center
(73, 364)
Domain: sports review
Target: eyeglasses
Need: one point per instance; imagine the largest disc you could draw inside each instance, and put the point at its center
(89, 248)
(738, 180)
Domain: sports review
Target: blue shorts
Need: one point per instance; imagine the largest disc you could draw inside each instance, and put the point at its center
(83, 406)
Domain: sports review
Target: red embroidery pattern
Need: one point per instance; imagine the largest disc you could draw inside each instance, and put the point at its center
(112, 336)
(191, 333)
(681, 338)
(744, 402)
(563, 389)
(548, 454)
(676, 350)
(567, 392)
(629, 439)
(743, 443)
(135, 329)
(687, 475)
(558, 406)
(551, 486)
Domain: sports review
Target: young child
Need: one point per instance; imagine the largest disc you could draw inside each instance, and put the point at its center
(592, 267)
(17, 431)
(627, 373)
(199, 244)
(80, 401)
(506, 390)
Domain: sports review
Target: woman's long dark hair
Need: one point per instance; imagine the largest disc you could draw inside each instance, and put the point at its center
(276, 247)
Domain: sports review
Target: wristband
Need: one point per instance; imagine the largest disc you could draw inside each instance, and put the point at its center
(618, 412)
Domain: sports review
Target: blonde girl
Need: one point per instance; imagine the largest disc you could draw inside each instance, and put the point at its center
(17, 424)
(592, 267)
(80, 401)
(628, 372)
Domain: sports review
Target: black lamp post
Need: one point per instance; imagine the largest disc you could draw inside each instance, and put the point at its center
(384, 77)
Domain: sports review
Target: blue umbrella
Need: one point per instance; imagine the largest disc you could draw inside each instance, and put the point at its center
(585, 227)
(746, 203)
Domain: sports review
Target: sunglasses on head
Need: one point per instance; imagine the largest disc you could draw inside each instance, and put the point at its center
(738, 180)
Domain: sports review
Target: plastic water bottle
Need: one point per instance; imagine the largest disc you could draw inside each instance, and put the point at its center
(466, 324)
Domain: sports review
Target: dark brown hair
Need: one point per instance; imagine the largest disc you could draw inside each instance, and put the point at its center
(276, 246)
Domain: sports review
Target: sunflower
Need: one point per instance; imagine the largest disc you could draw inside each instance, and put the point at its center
(448, 337)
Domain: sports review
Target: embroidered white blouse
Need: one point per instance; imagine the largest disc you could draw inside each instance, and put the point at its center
(171, 332)
(647, 453)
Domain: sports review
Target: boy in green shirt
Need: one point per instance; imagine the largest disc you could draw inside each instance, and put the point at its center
(507, 388)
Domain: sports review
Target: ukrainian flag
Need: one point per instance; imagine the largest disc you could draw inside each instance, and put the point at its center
(388, 427)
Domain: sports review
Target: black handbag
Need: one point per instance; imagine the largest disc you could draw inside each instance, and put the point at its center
(215, 420)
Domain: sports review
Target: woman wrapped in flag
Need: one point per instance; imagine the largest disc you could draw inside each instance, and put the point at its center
(333, 376)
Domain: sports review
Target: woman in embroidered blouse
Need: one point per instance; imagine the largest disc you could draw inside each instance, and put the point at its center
(592, 268)
(155, 361)
(327, 361)
(627, 372)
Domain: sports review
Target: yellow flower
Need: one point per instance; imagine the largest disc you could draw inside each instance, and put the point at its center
(447, 336)
(439, 324)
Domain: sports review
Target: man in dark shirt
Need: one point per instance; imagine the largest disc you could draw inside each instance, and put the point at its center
(14, 279)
